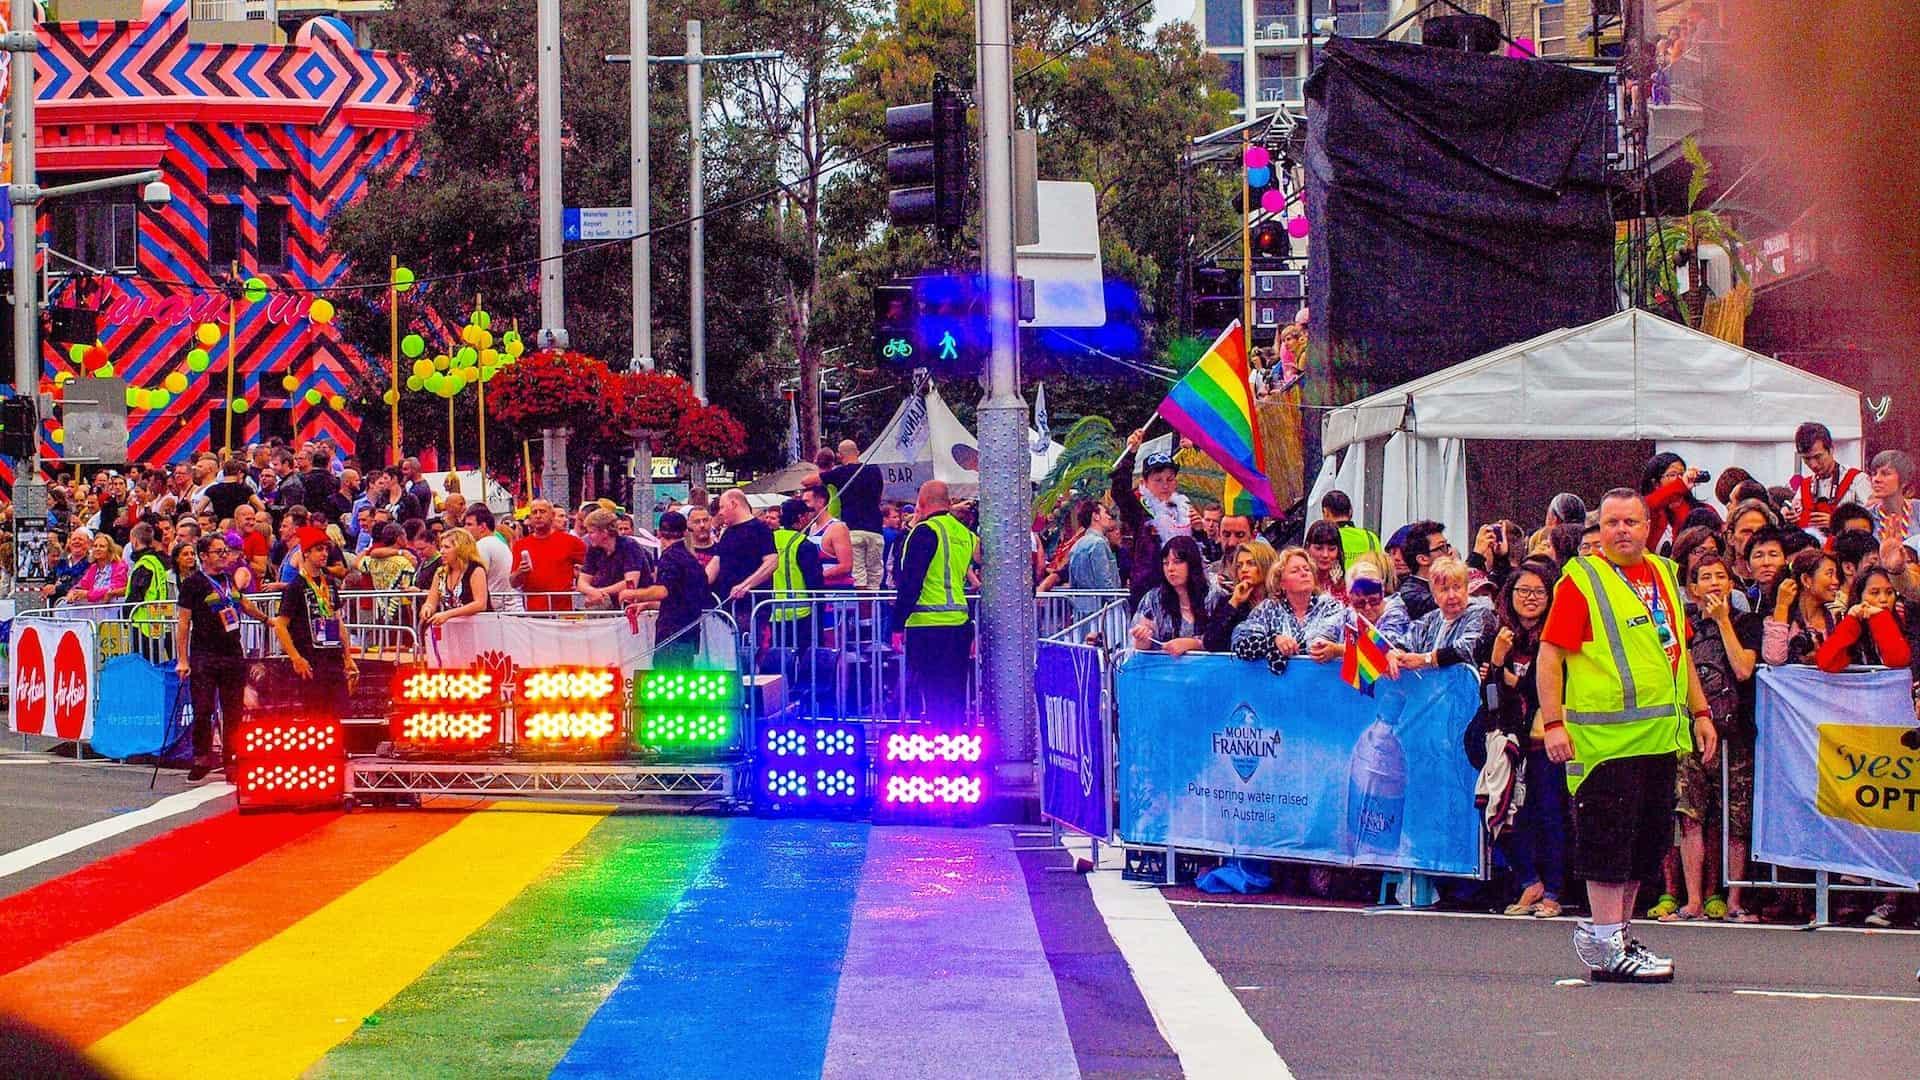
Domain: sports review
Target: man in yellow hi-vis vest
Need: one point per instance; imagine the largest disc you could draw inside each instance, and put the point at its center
(930, 612)
(1617, 716)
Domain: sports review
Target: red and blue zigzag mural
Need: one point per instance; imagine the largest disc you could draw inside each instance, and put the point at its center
(317, 111)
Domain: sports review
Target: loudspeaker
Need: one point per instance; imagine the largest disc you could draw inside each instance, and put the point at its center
(1464, 33)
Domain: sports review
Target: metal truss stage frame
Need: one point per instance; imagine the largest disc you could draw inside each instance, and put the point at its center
(388, 776)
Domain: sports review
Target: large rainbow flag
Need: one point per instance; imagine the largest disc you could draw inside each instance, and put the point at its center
(1213, 405)
(524, 940)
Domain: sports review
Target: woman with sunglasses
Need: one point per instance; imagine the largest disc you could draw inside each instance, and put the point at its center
(1536, 847)
(1370, 602)
(207, 641)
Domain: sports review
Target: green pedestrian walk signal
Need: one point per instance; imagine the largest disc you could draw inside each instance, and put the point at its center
(936, 321)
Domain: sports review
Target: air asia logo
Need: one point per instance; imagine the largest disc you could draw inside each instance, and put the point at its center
(1244, 742)
(69, 687)
(29, 684)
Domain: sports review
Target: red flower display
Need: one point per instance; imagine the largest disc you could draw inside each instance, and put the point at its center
(650, 400)
(551, 389)
(708, 433)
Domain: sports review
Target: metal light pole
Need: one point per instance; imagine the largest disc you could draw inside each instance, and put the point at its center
(696, 212)
(553, 294)
(1006, 500)
(639, 126)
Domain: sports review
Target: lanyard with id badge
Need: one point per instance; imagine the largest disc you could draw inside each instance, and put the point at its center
(228, 609)
(325, 625)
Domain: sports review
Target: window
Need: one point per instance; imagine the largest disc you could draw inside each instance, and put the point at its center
(226, 181)
(1235, 82)
(223, 236)
(98, 228)
(1224, 24)
(271, 253)
(271, 182)
(1550, 29)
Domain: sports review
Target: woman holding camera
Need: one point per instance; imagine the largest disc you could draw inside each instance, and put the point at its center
(1667, 485)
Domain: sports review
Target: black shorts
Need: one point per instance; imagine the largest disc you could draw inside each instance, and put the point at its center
(1623, 819)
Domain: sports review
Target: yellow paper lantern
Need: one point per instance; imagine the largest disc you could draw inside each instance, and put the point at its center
(390, 397)
(175, 382)
(289, 383)
(442, 362)
(423, 367)
(470, 334)
(337, 402)
(208, 334)
(321, 311)
(62, 378)
(59, 434)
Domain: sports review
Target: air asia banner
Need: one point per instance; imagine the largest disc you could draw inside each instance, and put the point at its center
(51, 678)
(1837, 773)
(1068, 684)
(1217, 754)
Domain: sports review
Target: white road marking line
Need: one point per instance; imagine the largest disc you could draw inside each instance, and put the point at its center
(1808, 995)
(73, 840)
(1195, 1011)
(24, 761)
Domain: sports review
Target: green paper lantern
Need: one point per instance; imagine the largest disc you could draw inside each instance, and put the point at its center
(136, 398)
(313, 396)
(255, 290)
(414, 382)
(197, 360)
(158, 399)
(468, 356)
(175, 383)
(412, 345)
(402, 279)
(238, 405)
(77, 354)
(104, 371)
(482, 320)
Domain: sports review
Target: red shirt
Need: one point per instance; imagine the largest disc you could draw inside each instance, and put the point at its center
(555, 558)
(254, 545)
(1570, 628)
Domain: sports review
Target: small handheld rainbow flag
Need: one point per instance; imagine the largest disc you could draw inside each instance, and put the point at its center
(1213, 405)
(1366, 658)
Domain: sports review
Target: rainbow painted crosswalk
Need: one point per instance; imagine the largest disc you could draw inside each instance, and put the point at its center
(523, 940)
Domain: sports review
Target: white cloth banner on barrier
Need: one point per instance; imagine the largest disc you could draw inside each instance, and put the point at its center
(1835, 786)
(50, 676)
(559, 642)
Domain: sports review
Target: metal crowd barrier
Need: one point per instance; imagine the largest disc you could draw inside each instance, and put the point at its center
(834, 647)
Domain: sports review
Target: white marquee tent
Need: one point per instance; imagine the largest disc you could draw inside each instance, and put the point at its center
(924, 441)
(1630, 376)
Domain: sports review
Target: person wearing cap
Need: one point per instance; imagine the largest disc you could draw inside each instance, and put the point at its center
(1152, 515)
(685, 583)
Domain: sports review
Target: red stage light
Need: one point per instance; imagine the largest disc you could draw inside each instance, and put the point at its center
(289, 762)
(539, 686)
(445, 710)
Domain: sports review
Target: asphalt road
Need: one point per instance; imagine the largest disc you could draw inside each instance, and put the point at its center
(1346, 993)
(43, 795)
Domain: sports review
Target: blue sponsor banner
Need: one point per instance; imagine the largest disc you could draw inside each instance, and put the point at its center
(1837, 772)
(1218, 754)
(1067, 683)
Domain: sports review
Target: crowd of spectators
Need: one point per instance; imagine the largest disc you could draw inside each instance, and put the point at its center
(1822, 569)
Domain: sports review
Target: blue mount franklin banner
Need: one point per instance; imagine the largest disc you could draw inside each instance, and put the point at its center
(1218, 754)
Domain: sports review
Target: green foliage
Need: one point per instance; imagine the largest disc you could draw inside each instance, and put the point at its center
(1088, 450)
(1675, 239)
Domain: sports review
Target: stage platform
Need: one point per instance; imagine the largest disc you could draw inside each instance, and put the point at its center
(368, 779)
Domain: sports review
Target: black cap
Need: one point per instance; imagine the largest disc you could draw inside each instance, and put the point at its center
(1158, 460)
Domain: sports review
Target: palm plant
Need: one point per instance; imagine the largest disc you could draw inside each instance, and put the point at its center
(1674, 240)
(1086, 457)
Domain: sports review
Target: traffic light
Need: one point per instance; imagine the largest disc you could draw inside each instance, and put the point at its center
(927, 161)
(1271, 247)
(19, 427)
(831, 418)
(935, 321)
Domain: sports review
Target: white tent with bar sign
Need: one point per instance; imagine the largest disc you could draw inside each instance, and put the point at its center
(1613, 391)
(925, 441)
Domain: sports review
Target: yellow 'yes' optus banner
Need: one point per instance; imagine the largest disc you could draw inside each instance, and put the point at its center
(1868, 777)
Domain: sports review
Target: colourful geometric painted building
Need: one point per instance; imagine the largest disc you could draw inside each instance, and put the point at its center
(262, 141)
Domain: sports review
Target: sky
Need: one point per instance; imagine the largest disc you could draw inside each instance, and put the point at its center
(1165, 11)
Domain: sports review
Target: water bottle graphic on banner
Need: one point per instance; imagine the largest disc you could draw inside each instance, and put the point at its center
(1377, 792)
